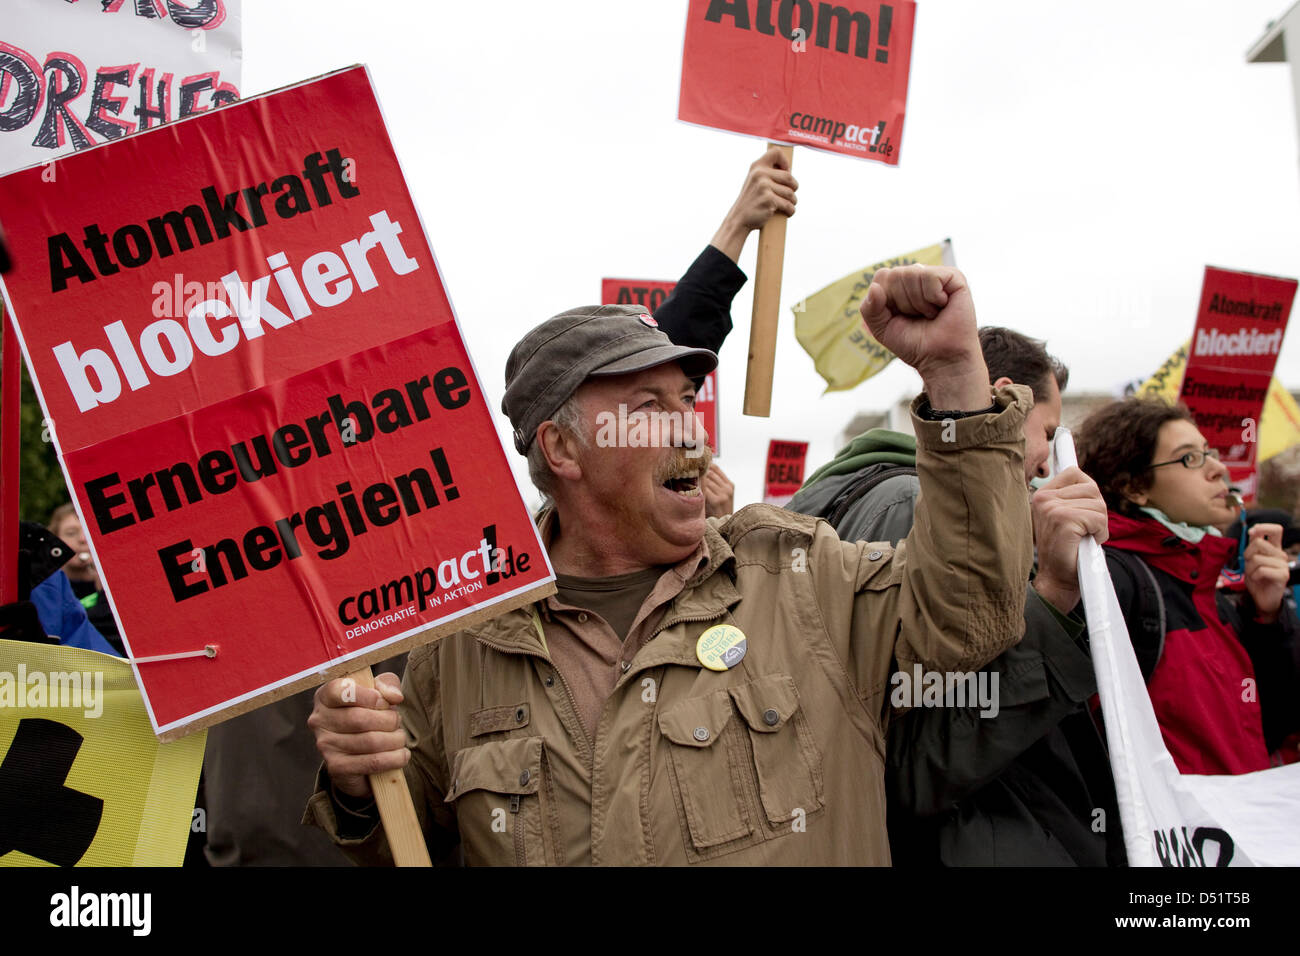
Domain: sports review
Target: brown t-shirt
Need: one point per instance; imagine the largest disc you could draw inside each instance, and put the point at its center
(616, 599)
(595, 626)
(590, 654)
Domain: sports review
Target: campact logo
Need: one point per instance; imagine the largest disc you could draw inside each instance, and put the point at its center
(866, 139)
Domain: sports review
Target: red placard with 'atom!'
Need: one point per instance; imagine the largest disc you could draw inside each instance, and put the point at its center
(830, 76)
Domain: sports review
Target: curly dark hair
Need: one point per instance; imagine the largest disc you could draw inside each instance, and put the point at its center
(1025, 361)
(1117, 442)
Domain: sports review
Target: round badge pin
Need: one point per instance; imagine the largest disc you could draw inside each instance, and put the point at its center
(721, 647)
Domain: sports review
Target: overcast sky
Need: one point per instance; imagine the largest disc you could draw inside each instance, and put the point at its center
(1088, 160)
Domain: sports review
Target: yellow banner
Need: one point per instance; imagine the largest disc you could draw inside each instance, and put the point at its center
(83, 780)
(1279, 424)
(830, 328)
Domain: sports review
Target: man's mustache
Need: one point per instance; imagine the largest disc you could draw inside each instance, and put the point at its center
(689, 462)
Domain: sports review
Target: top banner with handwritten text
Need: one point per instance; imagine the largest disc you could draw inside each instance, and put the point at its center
(74, 75)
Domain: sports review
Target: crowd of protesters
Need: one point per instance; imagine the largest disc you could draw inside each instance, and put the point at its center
(1023, 786)
(951, 553)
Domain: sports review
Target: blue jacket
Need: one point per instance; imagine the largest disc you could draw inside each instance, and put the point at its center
(63, 617)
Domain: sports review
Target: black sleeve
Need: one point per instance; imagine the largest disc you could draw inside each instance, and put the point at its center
(1140, 606)
(698, 312)
(1121, 576)
(939, 756)
(1274, 651)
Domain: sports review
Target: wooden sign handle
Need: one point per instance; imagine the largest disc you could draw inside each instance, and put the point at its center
(396, 811)
(767, 305)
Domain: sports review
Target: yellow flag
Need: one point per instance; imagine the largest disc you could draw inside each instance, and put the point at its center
(83, 780)
(830, 328)
(1279, 424)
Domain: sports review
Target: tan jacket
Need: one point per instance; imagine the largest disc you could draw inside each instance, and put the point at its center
(779, 760)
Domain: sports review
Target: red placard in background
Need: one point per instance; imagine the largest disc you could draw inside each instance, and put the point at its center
(830, 76)
(784, 473)
(1240, 324)
(277, 442)
(652, 293)
(706, 406)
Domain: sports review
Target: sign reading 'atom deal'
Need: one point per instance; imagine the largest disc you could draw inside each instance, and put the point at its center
(830, 76)
(276, 440)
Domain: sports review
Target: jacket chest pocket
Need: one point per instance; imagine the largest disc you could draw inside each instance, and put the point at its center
(743, 764)
(503, 808)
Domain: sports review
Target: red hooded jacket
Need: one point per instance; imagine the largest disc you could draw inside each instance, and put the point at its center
(1203, 686)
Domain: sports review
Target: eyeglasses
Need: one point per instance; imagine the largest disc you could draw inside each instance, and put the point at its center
(1193, 459)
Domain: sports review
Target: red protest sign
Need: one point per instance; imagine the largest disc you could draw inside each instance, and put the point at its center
(652, 293)
(276, 440)
(833, 77)
(706, 406)
(1239, 328)
(785, 463)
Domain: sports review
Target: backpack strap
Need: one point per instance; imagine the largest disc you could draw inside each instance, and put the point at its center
(1150, 611)
(862, 483)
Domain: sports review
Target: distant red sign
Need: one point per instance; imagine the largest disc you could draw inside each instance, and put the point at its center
(706, 406)
(785, 464)
(1239, 328)
(652, 293)
(276, 440)
(830, 76)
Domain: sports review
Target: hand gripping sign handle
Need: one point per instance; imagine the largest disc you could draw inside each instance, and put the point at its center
(767, 304)
(396, 811)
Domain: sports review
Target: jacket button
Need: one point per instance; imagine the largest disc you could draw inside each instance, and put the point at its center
(701, 734)
(523, 778)
(1195, 574)
(771, 717)
(519, 716)
(582, 618)
(875, 555)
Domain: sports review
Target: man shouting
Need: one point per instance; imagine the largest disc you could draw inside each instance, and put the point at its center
(698, 689)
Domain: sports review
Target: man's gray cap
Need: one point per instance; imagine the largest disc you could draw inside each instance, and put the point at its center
(552, 360)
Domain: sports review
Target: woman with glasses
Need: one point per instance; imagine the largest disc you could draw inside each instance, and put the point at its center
(1221, 669)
